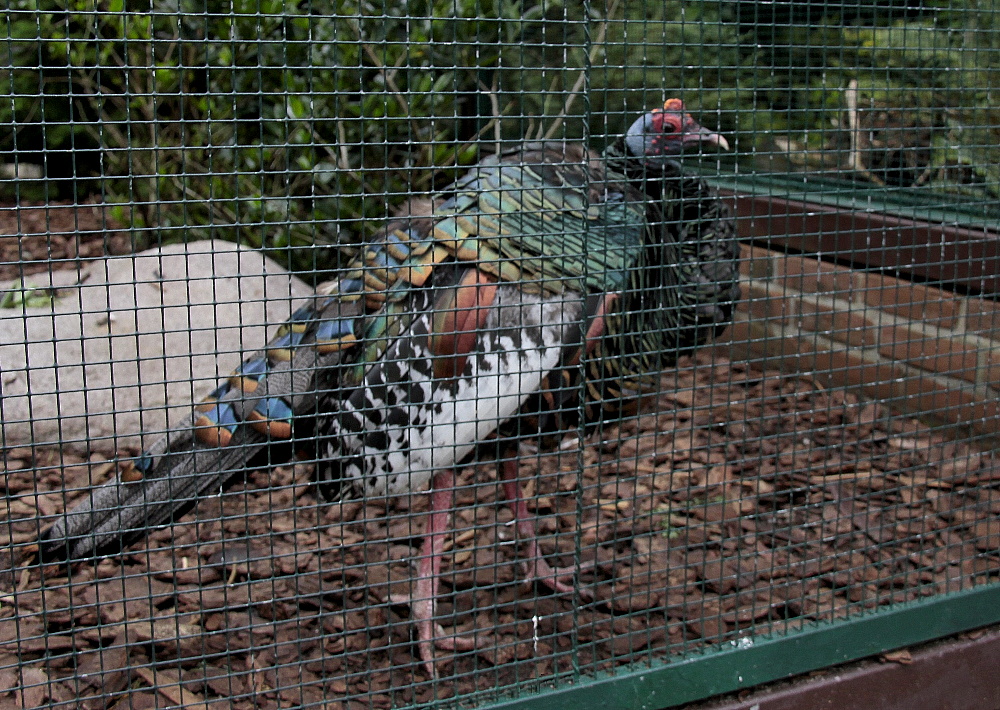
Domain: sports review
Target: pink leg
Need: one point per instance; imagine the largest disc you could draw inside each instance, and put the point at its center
(424, 603)
(535, 568)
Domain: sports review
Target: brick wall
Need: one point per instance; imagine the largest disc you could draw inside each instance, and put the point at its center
(918, 348)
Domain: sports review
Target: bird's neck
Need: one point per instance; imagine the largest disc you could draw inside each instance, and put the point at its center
(650, 179)
(617, 159)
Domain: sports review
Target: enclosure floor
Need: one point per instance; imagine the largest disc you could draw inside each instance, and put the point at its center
(752, 502)
(55, 237)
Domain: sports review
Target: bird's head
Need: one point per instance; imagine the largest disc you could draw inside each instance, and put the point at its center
(663, 134)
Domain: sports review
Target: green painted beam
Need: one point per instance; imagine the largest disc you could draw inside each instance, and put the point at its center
(769, 658)
(908, 203)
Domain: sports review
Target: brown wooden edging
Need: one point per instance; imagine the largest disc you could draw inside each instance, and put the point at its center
(919, 348)
(958, 673)
(943, 253)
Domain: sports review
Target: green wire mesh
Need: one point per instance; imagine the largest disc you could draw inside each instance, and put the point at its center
(819, 484)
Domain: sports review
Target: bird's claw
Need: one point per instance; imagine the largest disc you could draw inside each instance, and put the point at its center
(431, 635)
(536, 569)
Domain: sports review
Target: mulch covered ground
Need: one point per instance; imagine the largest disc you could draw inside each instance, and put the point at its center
(740, 502)
(36, 239)
(752, 502)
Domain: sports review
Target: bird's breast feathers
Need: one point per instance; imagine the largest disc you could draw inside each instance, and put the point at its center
(412, 416)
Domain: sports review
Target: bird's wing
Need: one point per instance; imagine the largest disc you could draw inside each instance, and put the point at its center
(527, 216)
(531, 217)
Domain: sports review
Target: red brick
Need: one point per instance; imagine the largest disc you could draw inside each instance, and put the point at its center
(766, 306)
(814, 276)
(910, 300)
(943, 401)
(982, 318)
(839, 368)
(991, 373)
(946, 356)
(920, 393)
(743, 341)
(938, 398)
(845, 322)
(757, 263)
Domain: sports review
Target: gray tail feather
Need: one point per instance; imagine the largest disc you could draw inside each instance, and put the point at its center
(118, 512)
(177, 470)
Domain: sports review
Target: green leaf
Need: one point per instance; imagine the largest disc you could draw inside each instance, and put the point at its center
(22, 295)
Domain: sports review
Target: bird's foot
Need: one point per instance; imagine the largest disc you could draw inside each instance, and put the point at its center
(423, 605)
(536, 569)
(431, 636)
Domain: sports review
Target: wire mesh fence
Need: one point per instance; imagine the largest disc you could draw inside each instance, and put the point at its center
(622, 353)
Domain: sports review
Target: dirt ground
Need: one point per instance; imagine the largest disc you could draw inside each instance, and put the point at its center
(35, 239)
(741, 502)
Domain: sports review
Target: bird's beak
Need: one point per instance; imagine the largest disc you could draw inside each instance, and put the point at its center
(707, 137)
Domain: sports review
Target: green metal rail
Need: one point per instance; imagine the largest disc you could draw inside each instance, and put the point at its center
(755, 660)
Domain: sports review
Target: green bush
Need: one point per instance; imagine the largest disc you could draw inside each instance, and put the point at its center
(267, 122)
(262, 121)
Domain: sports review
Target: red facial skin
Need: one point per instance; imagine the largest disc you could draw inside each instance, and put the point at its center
(671, 129)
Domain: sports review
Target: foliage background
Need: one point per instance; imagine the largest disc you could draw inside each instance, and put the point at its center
(276, 124)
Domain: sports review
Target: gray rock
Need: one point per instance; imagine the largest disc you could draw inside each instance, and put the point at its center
(131, 341)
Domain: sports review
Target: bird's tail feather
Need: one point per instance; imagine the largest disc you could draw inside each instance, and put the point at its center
(205, 451)
(267, 403)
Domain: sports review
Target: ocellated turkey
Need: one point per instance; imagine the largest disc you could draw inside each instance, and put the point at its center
(546, 282)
